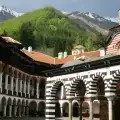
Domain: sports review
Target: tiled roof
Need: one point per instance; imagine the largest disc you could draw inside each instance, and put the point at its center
(80, 56)
(10, 40)
(40, 57)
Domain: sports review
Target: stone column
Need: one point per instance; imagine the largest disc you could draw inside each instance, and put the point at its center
(6, 83)
(62, 92)
(16, 86)
(110, 107)
(37, 88)
(61, 109)
(28, 88)
(10, 110)
(24, 86)
(91, 108)
(4, 112)
(12, 78)
(21, 87)
(19, 111)
(15, 110)
(23, 112)
(70, 109)
(80, 109)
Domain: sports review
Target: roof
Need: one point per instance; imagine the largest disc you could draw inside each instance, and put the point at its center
(71, 63)
(40, 57)
(79, 47)
(80, 56)
(10, 40)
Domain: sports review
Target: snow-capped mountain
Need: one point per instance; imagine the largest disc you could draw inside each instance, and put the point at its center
(93, 21)
(6, 13)
(113, 19)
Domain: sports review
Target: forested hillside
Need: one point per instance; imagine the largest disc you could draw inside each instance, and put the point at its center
(49, 31)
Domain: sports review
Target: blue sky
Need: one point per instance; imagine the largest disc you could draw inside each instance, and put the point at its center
(102, 7)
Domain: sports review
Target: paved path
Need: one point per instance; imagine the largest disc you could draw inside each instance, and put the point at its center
(39, 118)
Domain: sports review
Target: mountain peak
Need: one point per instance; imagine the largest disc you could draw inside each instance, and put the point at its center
(4, 9)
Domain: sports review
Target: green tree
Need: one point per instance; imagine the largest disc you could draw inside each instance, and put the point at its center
(27, 34)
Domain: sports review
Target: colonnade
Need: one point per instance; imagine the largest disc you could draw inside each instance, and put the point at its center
(17, 83)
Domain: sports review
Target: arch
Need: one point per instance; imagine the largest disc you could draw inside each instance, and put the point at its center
(65, 109)
(33, 108)
(4, 101)
(51, 99)
(23, 102)
(78, 86)
(9, 101)
(97, 85)
(14, 101)
(19, 107)
(41, 109)
(75, 109)
(13, 106)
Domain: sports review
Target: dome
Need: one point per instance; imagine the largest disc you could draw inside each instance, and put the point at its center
(72, 63)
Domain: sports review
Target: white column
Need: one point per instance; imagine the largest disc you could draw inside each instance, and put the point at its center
(19, 111)
(21, 86)
(25, 86)
(15, 110)
(16, 86)
(37, 88)
(12, 78)
(10, 110)
(70, 109)
(4, 112)
(110, 107)
(28, 88)
(61, 109)
(91, 109)
(62, 92)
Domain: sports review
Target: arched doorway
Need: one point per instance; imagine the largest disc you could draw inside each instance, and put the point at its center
(23, 108)
(19, 108)
(33, 109)
(52, 100)
(102, 99)
(75, 109)
(57, 109)
(14, 107)
(65, 109)
(41, 109)
(3, 106)
(9, 107)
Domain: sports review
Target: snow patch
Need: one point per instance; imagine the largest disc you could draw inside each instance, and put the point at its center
(113, 19)
(89, 15)
(12, 12)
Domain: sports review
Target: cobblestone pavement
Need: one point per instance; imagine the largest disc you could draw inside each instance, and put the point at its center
(39, 118)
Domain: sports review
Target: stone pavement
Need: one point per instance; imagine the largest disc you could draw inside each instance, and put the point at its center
(39, 118)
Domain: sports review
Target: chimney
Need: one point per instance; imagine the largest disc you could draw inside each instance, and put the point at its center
(65, 55)
(29, 49)
(119, 16)
(102, 52)
(60, 55)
